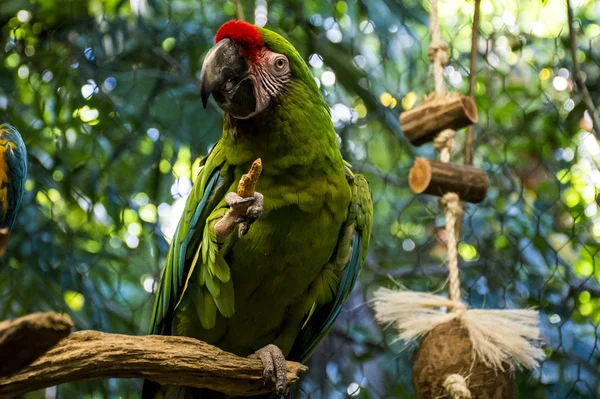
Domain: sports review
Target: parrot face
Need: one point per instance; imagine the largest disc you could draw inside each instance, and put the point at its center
(241, 73)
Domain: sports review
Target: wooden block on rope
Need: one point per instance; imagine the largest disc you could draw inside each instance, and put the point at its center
(422, 123)
(438, 178)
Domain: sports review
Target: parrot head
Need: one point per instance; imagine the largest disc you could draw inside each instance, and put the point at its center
(248, 68)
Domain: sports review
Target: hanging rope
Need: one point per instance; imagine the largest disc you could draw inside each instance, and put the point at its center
(438, 51)
(451, 204)
(455, 384)
(500, 338)
(444, 144)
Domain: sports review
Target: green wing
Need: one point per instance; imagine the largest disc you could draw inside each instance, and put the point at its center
(340, 274)
(194, 246)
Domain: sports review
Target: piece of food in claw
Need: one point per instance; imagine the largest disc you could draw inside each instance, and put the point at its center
(246, 189)
(247, 185)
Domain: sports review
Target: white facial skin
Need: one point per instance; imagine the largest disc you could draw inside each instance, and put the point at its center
(270, 74)
(243, 88)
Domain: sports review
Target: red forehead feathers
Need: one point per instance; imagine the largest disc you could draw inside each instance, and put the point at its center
(244, 34)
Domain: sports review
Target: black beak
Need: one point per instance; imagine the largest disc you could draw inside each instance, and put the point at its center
(225, 75)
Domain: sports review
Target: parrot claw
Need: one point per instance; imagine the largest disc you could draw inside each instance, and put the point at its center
(273, 367)
(246, 210)
(243, 211)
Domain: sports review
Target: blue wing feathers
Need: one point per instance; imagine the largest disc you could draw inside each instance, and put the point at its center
(212, 182)
(164, 305)
(346, 282)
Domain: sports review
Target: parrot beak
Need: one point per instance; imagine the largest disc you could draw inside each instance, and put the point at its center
(226, 75)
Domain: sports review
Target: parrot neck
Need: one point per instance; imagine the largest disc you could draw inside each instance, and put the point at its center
(295, 132)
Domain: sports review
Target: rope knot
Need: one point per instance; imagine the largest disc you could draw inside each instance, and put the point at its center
(456, 386)
(458, 308)
(451, 203)
(438, 52)
(444, 140)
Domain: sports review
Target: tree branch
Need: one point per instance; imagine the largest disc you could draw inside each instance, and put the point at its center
(27, 338)
(585, 95)
(472, 80)
(88, 355)
(239, 10)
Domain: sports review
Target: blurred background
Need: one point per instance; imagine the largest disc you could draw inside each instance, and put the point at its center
(105, 95)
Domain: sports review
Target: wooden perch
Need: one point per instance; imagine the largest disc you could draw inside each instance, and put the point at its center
(421, 124)
(88, 355)
(438, 178)
(27, 338)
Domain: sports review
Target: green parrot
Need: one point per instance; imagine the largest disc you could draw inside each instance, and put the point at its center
(274, 288)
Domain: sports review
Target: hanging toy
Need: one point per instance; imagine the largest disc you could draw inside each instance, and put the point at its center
(464, 353)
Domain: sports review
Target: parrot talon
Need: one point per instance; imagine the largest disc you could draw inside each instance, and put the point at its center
(243, 211)
(241, 201)
(273, 367)
(240, 219)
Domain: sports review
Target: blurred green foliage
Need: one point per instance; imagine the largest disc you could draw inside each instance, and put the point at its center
(105, 95)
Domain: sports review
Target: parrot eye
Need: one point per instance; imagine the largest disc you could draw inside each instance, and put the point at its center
(280, 65)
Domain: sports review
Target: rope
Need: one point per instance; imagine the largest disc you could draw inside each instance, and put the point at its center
(437, 52)
(444, 144)
(451, 204)
(456, 386)
(499, 337)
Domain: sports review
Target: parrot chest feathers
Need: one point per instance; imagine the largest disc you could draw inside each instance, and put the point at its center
(275, 264)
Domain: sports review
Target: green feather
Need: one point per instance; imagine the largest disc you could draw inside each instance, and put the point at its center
(212, 256)
(205, 246)
(206, 310)
(333, 285)
(166, 284)
(225, 301)
(212, 183)
(213, 285)
(221, 269)
(202, 275)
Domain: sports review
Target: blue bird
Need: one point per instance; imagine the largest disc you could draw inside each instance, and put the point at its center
(13, 173)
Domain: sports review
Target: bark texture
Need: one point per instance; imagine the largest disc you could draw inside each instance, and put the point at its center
(88, 355)
(422, 123)
(438, 178)
(25, 339)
